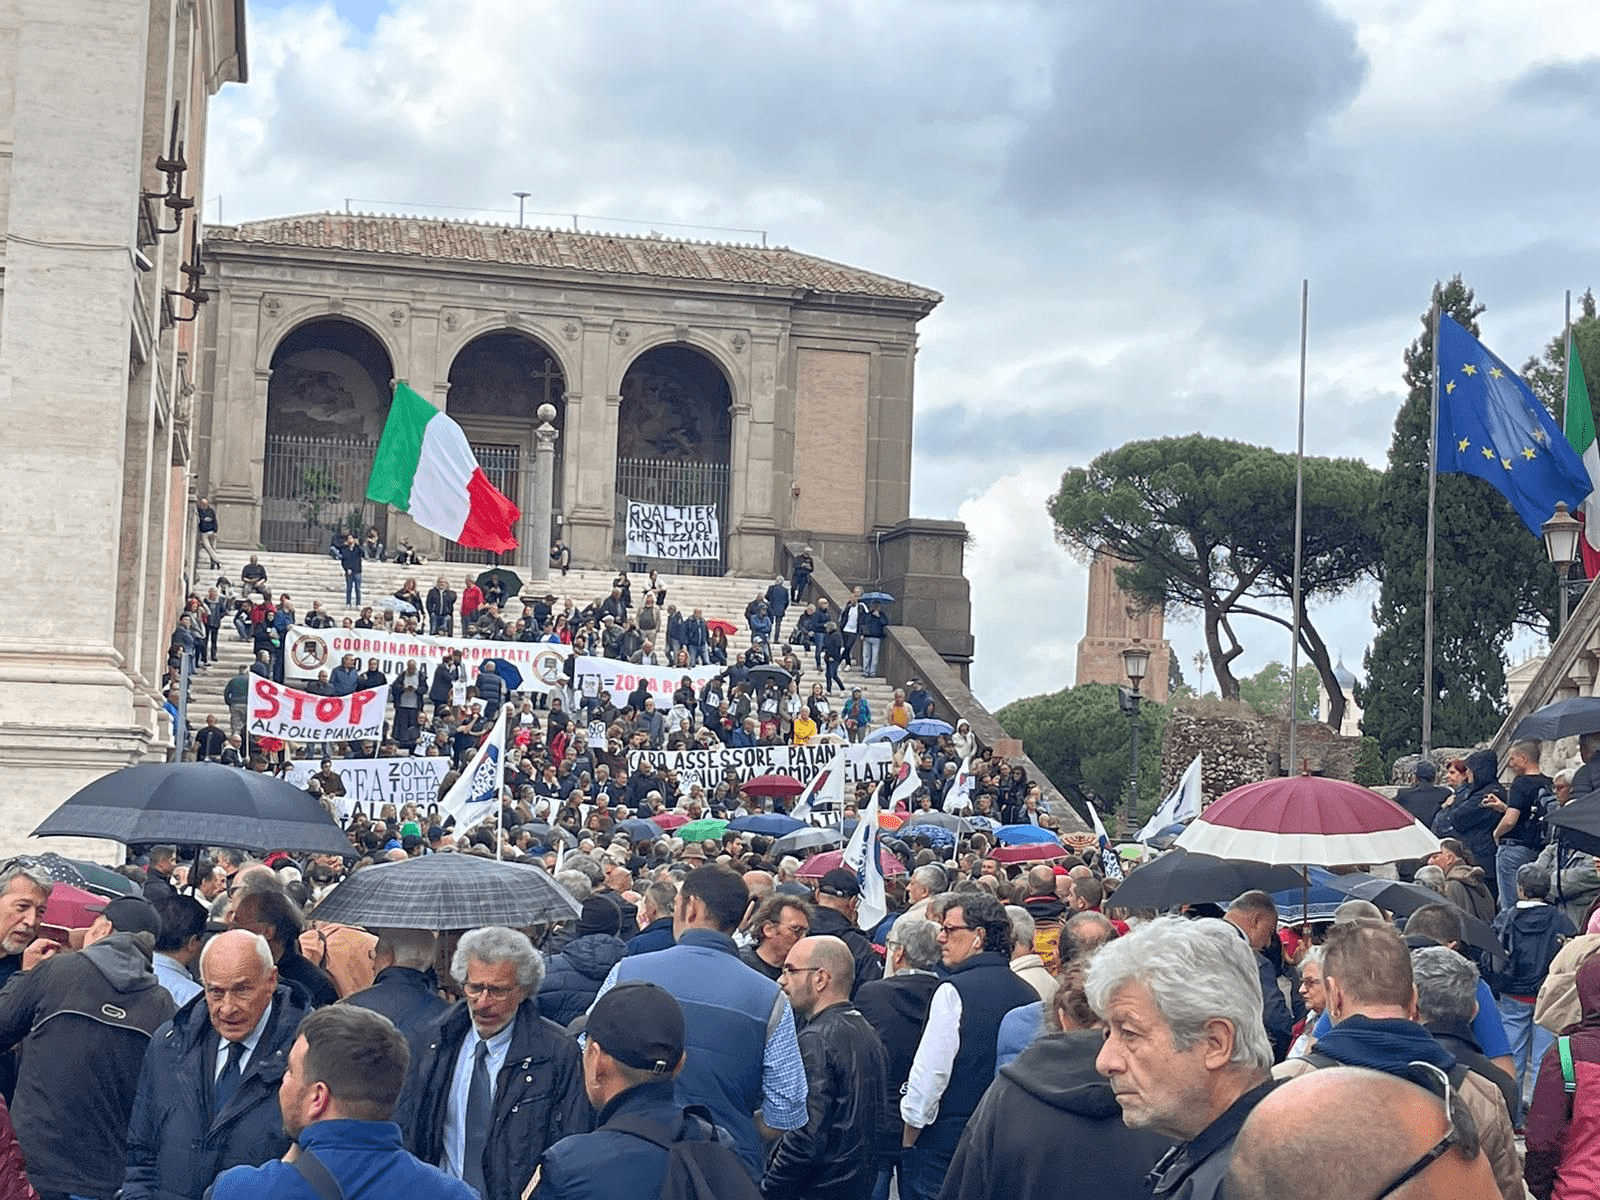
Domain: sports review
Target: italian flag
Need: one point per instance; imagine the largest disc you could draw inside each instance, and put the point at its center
(1580, 436)
(426, 469)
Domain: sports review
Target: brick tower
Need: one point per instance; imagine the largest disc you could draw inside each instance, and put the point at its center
(1114, 621)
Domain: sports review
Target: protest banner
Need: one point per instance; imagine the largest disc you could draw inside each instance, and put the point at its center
(863, 763)
(595, 675)
(295, 716)
(679, 531)
(374, 782)
(542, 664)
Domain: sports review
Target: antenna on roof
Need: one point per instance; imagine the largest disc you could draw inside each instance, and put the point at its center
(522, 198)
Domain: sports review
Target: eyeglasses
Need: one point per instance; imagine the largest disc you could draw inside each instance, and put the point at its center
(493, 991)
(1463, 1137)
(797, 930)
(788, 970)
(950, 930)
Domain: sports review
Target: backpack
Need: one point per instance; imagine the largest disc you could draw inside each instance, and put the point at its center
(698, 1167)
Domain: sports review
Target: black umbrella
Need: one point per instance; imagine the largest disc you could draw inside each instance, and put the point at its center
(549, 834)
(447, 891)
(1564, 718)
(201, 804)
(955, 824)
(803, 840)
(761, 675)
(1577, 825)
(1403, 899)
(1179, 877)
(509, 579)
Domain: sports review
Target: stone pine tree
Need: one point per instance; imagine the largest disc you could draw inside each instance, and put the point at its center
(1490, 575)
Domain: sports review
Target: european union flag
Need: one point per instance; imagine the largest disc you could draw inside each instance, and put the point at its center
(1492, 425)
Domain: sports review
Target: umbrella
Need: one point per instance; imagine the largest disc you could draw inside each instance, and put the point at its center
(1403, 899)
(1030, 852)
(507, 672)
(928, 727)
(70, 906)
(197, 804)
(889, 820)
(777, 786)
(1307, 819)
(979, 821)
(803, 840)
(396, 605)
(703, 830)
(447, 891)
(1577, 825)
(819, 865)
(102, 880)
(937, 835)
(765, 674)
(1014, 835)
(549, 834)
(670, 820)
(640, 829)
(888, 733)
(1297, 905)
(945, 820)
(877, 598)
(1164, 838)
(1564, 718)
(770, 824)
(509, 579)
(718, 625)
(1179, 877)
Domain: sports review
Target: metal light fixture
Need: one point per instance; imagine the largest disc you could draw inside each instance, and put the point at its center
(1561, 533)
(1136, 661)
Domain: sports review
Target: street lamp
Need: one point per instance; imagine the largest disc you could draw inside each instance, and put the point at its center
(1136, 664)
(1561, 533)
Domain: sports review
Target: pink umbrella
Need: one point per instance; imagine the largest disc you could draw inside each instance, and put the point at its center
(1307, 819)
(819, 865)
(671, 820)
(1029, 852)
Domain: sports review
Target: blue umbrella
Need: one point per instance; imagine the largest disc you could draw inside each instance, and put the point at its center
(979, 821)
(928, 727)
(1017, 835)
(877, 598)
(889, 733)
(771, 824)
(640, 829)
(937, 835)
(1297, 905)
(507, 672)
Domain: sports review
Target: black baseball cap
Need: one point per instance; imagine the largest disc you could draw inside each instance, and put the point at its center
(840, 882)
(640, 1025)
(130, 914)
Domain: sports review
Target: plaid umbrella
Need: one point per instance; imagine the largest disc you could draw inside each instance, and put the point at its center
(446, 892)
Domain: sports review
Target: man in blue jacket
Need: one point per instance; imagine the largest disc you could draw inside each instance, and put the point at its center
(344, 1076)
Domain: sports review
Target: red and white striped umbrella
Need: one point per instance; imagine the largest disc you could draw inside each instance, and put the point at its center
(1307, 819)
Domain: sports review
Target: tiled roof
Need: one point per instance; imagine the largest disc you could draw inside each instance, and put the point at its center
(569, 250)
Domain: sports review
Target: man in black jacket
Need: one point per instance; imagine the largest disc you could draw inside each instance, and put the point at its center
(1255, 916)
(441, 606)
(405, 989)
(208, 1094)
(492, 1134)
(833, 1156)
(838, 897)
(84, 1022)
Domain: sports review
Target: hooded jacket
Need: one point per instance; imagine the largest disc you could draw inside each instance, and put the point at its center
(1047, 1108)
(84, 1021)
(1465, 887)
(1473, 822)
(1563, 1145)
(1530, 934)
(573, 977)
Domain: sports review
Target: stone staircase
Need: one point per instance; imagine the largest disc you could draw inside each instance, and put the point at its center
(314, 577)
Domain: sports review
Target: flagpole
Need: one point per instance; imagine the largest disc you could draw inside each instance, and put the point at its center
(1564, 574)
(1427, 590)
(1299, 527)
(1566, 325)
(500, 788)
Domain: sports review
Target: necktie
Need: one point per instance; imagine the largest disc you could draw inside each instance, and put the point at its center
(228, 1082)
(479, 1114)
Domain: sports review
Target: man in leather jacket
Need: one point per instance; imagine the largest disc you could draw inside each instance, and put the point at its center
(833, 1155)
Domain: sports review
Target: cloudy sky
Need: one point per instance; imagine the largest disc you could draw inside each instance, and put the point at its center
(1118, 199)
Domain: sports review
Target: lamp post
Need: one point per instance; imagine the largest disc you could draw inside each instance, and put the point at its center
(1136, 664)
(522, 198)
(1561, 533)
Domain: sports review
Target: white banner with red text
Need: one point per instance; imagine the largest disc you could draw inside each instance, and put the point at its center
(865, 763)
(282, 712)
(374, 782)
(596, 675)
(541, 664)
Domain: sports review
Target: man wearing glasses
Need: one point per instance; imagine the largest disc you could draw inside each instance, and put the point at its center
(1372, 1001)
(493, 1084)
(954, 1063)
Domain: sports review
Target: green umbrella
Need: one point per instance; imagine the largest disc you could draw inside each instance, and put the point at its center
(703, 830)
(509, 579)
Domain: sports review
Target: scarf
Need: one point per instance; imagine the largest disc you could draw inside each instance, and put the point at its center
(1386, 1045)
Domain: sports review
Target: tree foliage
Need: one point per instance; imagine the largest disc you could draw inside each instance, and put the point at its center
(1208, 525)
(1489, 576)
(1079, 736)
(1267, 691)
(1547, 374)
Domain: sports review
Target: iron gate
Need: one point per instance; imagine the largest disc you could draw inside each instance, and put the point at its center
(502, 464)
(653, 481)
(312, 486)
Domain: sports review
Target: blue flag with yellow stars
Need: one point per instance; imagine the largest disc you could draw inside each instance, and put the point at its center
(1492, 425)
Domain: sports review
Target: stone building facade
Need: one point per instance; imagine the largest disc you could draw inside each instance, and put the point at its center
(1114, 622)
(774, 384)
(102, 132)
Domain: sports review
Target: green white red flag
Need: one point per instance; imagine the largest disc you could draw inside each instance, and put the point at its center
(1580, 436)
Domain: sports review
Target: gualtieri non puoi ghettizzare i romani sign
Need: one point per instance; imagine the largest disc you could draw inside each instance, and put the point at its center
(678, 531)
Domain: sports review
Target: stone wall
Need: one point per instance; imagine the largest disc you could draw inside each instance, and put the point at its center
(1238, 746)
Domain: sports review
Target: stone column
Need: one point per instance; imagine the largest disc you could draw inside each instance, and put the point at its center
(544, 467)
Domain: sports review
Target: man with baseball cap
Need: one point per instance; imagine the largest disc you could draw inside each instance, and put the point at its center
(85, 1020)
(634, 1050)
(838, 897)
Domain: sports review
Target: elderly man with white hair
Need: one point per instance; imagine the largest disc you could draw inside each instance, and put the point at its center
(1185, 1050)
(493, 1084)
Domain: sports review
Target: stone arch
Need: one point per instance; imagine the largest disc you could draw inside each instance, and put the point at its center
(467, 331)
(312, 311)
(677, 402)
(732, 369)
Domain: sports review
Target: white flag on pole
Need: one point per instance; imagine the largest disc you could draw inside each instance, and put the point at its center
(826, 789)
(476, 794)
(862, 855)
(960, 794)
(1182, 804)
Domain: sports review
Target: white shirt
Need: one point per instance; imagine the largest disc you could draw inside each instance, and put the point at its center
(935, 1059)
(455, 1108)
(249, 1047)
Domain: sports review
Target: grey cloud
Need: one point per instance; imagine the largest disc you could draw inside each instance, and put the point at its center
(1573, 84)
